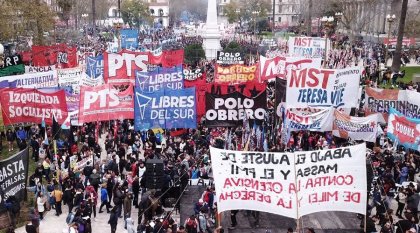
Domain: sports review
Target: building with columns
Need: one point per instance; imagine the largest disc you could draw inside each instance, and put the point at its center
(286, 13)
(159, 9)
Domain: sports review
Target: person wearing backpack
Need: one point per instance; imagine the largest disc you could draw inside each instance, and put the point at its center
(191, 225)
(202, 220)
(95, 179)
(57, 194)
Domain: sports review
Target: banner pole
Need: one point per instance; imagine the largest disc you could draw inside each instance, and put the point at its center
(364, 225)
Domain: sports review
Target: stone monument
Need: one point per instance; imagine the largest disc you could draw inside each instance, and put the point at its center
(211, 36)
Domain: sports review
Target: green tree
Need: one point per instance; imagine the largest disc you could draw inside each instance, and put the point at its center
(233, 47)
(66, 7)
(134, 12)
(243, 10)
(193, 54)
(25, 18)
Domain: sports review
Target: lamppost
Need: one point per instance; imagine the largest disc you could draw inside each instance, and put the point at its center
(118, 23)
(338, 16)
(237, 11)
(390, 19)
(255, 13)
(84, 16)
(328, 26)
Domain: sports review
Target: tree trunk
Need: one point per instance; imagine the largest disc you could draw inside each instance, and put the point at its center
(396, 61)
(40, 31)
(93, 17)
(309, 19)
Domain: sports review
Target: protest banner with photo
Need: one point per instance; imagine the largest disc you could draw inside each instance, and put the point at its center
(280, 66)
(291, 184)
(306, 47)
(120, 67)
(313, 87)
(36, 69)
(60, 55)
(381, 100)
(228, 58)
(320, 121)
(104, 103)
(356, 128)
(235, 74)
(165, 109)
(153, 81)
(403, 131)
(32, 80)
(230, 110)
(331, 180)
(12, 65)
(129, 39)
(14, 174)
(70, 78)
(254, 181)
(95, 66)
(31, 105)
(280, 96)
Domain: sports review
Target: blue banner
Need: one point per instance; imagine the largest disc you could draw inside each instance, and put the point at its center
(129, 39)
(165, 109)
(95, 66)
(170, 78)
(403, 131)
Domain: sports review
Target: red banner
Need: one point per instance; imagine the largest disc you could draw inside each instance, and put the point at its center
(236, 74)
(120, 67)
(60, 55)
(168, 58)
(104, 103)
(405, 42)
(30, 105)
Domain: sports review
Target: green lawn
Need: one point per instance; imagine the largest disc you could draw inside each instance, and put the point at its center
(409, 72)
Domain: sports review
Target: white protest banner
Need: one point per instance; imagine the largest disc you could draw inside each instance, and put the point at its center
(313, 87)
(356, 128)
(91, 82)
(70, 77)
(254, 181)
(291, 184)
(36, 69)
(320, 121)
(306, 46)
(331, 180)
(279, 66)
(33, 80)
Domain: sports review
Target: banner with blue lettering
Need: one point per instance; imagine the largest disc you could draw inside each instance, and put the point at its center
(404, 131)
(129, 39)
(171, 78)
(165, 109)
(314, 87)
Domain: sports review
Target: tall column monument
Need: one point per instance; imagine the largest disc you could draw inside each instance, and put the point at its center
(211, 34)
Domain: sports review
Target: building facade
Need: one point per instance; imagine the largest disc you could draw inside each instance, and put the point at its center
(286, 13)
(159, 9)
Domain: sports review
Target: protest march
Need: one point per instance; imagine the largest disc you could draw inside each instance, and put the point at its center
(167, 132)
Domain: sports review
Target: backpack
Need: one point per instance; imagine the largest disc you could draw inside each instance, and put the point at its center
(206, 197)
(70, 218)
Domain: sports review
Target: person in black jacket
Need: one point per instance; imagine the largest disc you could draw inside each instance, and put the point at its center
(113, 219)
(10, 136)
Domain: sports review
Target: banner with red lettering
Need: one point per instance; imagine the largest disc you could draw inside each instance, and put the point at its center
(307, 182)
(235, 74)
(307, 46)
(356, 128)
(404, 131)
(313, 87)
(21, 105)
(120, 67)
(104, 103)
(320, 121)
(280, 66)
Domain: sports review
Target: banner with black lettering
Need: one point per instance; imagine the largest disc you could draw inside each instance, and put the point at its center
(291, 184)
(228, 58)
(320, 121)
(230, 110)
(13, 176)
(165, 109)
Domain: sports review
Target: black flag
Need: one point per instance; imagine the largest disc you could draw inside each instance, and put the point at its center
(56, 129)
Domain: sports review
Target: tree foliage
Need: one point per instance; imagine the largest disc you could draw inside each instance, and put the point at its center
(233, 47)
(25, 18)
(194, 53)
(135, 12)
(242, 10)
(66, 7)
(195, 9)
